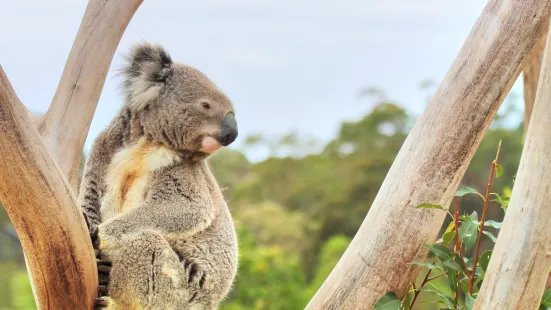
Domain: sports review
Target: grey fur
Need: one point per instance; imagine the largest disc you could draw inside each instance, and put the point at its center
(178, 248)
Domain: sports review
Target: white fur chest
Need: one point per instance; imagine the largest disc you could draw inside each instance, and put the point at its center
(128, 176)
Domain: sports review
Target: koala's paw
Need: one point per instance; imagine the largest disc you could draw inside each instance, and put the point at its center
(101, 303)
(104, 270)
(195, 277)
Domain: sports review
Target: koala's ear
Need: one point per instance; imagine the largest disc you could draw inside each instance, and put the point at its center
(146, 72)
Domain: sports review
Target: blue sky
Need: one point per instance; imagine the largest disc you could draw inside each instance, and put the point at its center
(287, 65)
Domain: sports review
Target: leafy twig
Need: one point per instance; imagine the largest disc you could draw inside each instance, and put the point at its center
(485, 208)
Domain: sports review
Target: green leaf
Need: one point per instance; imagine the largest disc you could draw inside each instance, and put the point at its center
(484, 259)
(469, 302)
(452, 280)
(464, 285)
(434, 290)
(430, 206)
(499, 171)
(546, 299)
(406, 301)
(490, 235)
(448, 237)
(469, 262)
(493, 224)
(448, 259)
(466, 190)
(468, 231)
(389, 301)
(503, 201)
(427, 265)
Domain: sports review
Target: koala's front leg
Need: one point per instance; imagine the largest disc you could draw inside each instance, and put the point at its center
(148, 274)
(179, 217)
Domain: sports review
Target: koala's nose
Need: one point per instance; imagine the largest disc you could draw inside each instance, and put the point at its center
(228, 132)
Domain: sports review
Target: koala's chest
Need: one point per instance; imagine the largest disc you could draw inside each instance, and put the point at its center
(128, 176)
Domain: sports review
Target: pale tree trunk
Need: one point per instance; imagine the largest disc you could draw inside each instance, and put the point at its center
(519, 266)
(434, 158)
(34, 169)
(531, 75)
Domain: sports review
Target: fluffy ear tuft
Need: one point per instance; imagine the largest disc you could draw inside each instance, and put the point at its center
(147, 69)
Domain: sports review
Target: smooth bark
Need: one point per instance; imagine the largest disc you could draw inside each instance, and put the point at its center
(42, 208)
(531, 75)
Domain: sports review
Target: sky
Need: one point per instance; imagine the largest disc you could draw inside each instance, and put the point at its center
(287, 65)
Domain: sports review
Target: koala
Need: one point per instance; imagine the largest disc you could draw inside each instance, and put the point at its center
(163, 233)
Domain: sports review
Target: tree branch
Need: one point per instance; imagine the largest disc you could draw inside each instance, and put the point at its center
(38, 199)
(43, 210)
(65, 126)
(434, 158)
(531, 75)
(520, 262)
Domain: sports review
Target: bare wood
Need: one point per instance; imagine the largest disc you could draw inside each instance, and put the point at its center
(519, 267)
(42, 208)
(531, 75)
(434, 158)
(65, 126)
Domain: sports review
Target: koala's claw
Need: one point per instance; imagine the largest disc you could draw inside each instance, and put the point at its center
(195, 275)
(101, 303)
(94, 237)
(104, 269)
(104, 262)
(102, 290)
(93, 230)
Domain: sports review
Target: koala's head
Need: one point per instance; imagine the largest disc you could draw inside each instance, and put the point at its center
(177, 105)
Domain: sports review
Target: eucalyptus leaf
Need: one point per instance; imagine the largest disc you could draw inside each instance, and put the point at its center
(434, 290)
(499, 171)
(427, 265)
(406, 301)
(484, 259)
(546, 299)
(469, 302)
(466, 190)
(430, 206)
(479, 278)
(448, 259)
(468, 231)
(464, 285)
(502, 200)
(493, 224)
(452, 280)
(448, 237)
(490, 235)
(389, 301)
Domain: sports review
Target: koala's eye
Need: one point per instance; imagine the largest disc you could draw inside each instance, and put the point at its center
(205, 105)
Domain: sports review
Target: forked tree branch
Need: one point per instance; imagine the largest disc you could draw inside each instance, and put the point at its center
(65, 126)
(33, 169)
(434, 158)
(42, 208)
(520, 262)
